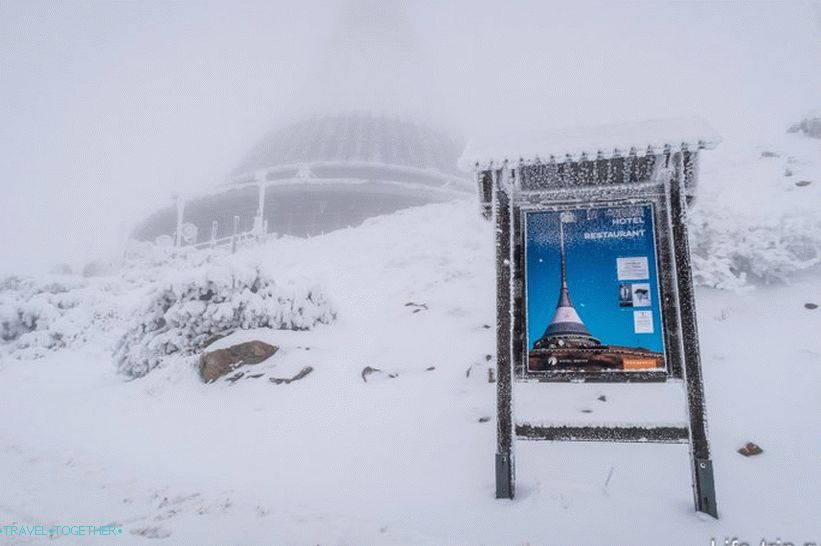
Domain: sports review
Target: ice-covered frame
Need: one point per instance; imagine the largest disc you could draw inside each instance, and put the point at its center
(658, 179)
(619, 181)
(663, 177)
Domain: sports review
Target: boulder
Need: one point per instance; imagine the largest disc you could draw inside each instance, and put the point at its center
(750, 450)
(215, 364)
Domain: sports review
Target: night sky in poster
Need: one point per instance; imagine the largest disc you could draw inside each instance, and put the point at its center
(594, 241)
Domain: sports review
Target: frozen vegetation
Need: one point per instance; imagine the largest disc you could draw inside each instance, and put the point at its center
(810, 125)
(757, 218)
(192, 309)
(56, 312)
(172, 306)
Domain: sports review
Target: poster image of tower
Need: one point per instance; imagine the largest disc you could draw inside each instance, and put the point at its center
(592, 290)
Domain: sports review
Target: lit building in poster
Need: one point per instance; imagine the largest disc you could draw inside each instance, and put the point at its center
(566, 329)
(567, 343)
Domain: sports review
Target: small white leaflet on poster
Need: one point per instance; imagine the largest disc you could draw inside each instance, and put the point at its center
(643, 322)
(633, 268)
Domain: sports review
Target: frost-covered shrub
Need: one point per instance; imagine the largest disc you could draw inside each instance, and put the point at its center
(185, 313)
(42, 315)
(810, 125)
(142, 256)
(730, 249)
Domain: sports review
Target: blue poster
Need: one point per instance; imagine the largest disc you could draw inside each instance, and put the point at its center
(592, 290)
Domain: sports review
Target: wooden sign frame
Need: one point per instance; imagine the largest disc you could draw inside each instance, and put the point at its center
(660, 178)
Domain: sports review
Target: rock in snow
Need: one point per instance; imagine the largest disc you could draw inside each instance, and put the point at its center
(750, 449)
(215, 364)
(302, 373)
(367, 371)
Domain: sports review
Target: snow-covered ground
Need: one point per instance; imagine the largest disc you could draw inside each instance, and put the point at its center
(335, 459)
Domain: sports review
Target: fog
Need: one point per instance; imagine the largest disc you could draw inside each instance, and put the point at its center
(107, 108)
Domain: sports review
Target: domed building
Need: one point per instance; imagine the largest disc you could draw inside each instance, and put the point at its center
(323, 174)
(331, 171)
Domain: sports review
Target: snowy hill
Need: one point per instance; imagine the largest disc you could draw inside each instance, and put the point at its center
(343, 457)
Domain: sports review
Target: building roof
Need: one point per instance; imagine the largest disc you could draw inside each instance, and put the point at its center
(607, 140)
(356, 137)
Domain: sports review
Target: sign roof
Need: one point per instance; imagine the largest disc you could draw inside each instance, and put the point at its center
(607, 140)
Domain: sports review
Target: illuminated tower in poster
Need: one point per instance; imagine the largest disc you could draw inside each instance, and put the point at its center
(566, 328)
(567, 343)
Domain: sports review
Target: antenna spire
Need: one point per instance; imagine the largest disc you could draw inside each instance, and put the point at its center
(564, 292)
(566, 322)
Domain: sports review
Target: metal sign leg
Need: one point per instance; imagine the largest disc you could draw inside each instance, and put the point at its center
(504, 421)
(703, 482)
(705, 487)
(504, 476)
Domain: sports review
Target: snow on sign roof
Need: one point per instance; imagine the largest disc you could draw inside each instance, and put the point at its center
(575, 141)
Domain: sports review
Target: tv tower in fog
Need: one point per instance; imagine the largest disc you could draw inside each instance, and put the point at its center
(357, 148)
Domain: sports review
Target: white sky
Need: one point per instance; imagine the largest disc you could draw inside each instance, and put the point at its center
(106, 108)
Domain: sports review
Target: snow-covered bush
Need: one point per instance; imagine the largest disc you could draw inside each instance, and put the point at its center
(185, 313)
(730, 249)
(142, 256)
(41, 315)
(810, 125)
